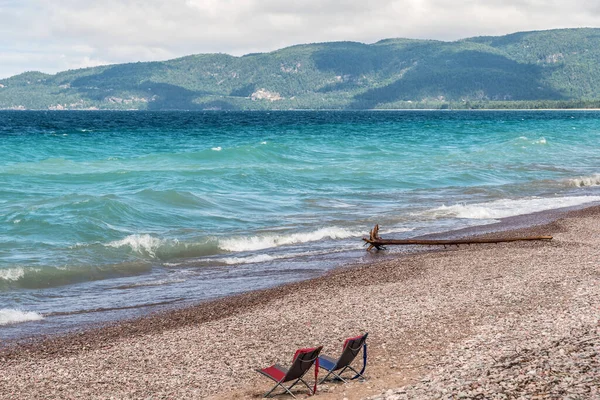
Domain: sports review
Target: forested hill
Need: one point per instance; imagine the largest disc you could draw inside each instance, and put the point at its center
(556, 67)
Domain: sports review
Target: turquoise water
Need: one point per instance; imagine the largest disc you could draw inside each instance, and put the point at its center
(104, 213)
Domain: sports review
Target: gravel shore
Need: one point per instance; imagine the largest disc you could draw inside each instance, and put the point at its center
(515, 320)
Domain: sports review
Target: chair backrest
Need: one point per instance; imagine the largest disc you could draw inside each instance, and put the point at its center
(303, 360)
(352, 347)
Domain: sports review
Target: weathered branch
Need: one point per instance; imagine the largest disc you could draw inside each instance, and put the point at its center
(375, 241)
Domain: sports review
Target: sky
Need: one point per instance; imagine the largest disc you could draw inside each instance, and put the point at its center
(57, 35)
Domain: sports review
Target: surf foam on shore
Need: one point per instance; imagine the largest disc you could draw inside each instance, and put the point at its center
(11, 316)
(508, 208)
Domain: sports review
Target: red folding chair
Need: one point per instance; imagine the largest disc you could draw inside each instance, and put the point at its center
(303, 360)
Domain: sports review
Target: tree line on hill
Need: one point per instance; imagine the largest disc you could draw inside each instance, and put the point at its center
(533, 70)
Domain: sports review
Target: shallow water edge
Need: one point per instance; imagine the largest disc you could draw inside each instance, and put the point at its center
(168, 316)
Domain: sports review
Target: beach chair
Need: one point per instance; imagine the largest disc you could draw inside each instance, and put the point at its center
(337, 367)
(302, 361)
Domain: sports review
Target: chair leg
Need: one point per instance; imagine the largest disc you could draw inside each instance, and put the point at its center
(326, 376)
(288, 390)
(310, 390)
(266, 395)
(271, 391)
(357, 373)
(294, 384)
(339, 377)
(334, 374)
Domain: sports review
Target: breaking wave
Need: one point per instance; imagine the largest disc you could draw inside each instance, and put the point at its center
(12, 274)
(12, 316)
(582, 181)
(165, 249)
(143, 244)
(49, 276)
(147, 249)
(168, 249)
(269, 241)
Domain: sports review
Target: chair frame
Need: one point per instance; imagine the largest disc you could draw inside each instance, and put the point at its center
(298, 360)
(336, 367)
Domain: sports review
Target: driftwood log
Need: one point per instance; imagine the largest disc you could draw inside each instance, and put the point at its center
(375, 241)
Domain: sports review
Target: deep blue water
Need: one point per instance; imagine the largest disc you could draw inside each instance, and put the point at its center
(104, 212)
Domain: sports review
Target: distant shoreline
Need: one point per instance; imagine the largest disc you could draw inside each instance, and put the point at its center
(311, 110)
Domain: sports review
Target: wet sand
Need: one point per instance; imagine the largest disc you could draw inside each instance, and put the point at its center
(424, 312)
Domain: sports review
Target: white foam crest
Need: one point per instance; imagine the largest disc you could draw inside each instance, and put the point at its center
(508, 208)
(541, 140)
(268, 241)
(341, 204)
(12, 274)
(592, 180)
(143, 244)
(259, 258)
(219, 148)
(396, 230)
(12, 316)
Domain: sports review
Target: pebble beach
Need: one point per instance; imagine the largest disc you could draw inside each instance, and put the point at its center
(508, 320)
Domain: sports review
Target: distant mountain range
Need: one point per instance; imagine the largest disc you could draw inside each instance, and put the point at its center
(554, 68)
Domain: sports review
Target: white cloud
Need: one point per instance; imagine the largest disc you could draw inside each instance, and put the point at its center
(36, 32)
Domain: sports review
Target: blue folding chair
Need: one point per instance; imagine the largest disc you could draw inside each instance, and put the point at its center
(337, 367)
